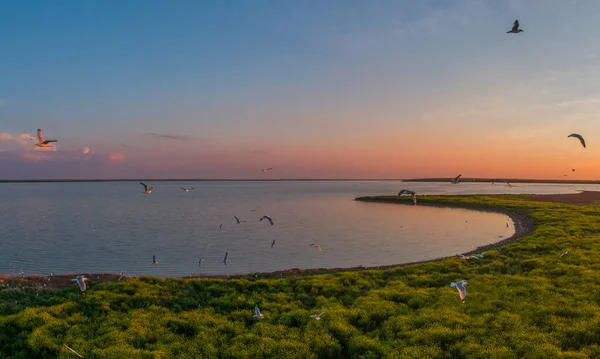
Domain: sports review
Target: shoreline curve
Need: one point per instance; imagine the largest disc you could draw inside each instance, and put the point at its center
(523, 225)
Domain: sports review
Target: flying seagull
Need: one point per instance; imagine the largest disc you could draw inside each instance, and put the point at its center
(414, 199)
(154, 261)
(147, 190)
(265, 170)
(121, 274)
(221, 226)
(576, 135)
(273, 243)
(572, 169)
(563, 253)
(405, 191)
(462, 290)
(515, 29)
(316, 246)
(186, 190)
(81, 282)
(79, 355)
(42, 141)
(317, 316)
(225, 259)
(268, 219)
(257, 313)
(456, 179)
(200, 262)
(238, 220)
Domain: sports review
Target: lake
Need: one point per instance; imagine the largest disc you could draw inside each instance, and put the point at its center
(106, 227)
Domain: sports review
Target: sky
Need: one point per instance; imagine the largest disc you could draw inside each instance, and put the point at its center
(315, 89)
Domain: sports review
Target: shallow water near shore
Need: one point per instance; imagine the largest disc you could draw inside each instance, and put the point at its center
(106, 227)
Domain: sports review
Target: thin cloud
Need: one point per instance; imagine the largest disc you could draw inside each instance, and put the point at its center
(116, 156)
(169, 137)
(23, 139)
(583, 101)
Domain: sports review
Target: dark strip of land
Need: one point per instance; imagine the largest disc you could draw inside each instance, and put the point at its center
(511, 180)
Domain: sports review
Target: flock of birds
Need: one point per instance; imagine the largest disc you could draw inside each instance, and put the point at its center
(460, 285)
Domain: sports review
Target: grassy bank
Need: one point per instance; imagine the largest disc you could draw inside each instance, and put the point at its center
(523, 302)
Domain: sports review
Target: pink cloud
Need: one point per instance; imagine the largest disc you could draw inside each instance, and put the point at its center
(86, 150)
(35, 156)
(116, 156)
(23, 139)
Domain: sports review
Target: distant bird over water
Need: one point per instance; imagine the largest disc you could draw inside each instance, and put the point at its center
(267, 218)
(578, 136)
(42, 141)
(317, 316)
(221, 226)
(147, 190)
(186, 190)
(461, 287)
(225, 259)
(405, 191)
(265, 170)
(456, 179)
(316, 246)
(81, 282)
(414, 199)
(200, 262)
(272, 243)
(501, 181)
(154, 261)
(238, 220)
(257, 313)
(515, 29)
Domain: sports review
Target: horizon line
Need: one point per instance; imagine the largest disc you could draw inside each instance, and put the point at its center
(433, 179)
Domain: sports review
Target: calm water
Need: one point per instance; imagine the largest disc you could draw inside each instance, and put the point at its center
(105, 227)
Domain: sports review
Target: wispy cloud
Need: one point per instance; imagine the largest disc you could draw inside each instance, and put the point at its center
(169, 137)
(581, 101)
(23, 139)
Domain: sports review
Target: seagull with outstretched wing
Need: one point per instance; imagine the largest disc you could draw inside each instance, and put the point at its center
(456, 179)
(42, 142)
(81, 282)
(515, 29)
(578, 136)
(461, 286)
(268, 218)
(147, 189)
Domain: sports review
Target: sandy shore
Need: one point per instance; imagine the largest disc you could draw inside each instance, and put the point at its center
(523, 225)
(584, 197)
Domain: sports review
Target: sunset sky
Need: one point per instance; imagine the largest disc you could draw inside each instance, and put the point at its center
(314, 89)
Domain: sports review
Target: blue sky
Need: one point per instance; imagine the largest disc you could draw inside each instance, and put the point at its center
(313, 88)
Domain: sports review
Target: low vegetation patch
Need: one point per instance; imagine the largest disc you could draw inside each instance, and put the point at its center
(523, 301)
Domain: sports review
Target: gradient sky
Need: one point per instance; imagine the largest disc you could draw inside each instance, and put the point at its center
(315, 89)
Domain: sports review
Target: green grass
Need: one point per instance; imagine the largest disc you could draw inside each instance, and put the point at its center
(522, 302)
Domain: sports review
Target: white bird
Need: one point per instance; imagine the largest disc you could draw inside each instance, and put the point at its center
(273, 243)
(405, 191)
(316, 246)
(265, 170)
(225, 259)
(186, 190)
(317, 316)
(121, 274)
(79, 355)
(81, 282)
(200, 262)
(238, 220)
(456, 179)
(42, 141)
(267, 218)
(461, 286)
(515, 29)
(257, 313)
(414, 199)
(154, 261)
(576, 135)
(563, 253)
(147, 190)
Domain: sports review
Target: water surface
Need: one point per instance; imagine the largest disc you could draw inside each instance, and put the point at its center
(105, 227)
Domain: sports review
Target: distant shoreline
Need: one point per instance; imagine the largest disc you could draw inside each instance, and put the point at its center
(464, 180)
